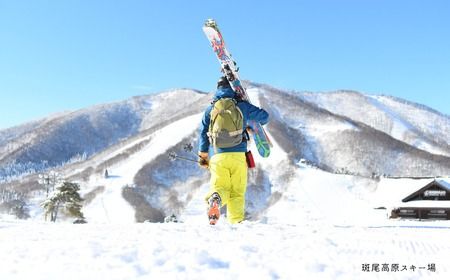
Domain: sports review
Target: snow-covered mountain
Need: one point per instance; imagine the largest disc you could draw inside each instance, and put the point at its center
(74, 136)
(319, 186)
(338, 131)
(409, 122)
(346, 131)
(343, 132)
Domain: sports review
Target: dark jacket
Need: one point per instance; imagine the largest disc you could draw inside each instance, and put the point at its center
(249, 112)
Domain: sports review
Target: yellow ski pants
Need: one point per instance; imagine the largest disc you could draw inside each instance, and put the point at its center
(229, 180)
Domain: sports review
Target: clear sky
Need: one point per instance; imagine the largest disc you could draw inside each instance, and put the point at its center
(64, 55)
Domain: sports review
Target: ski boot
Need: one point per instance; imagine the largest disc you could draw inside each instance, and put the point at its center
(214, 202)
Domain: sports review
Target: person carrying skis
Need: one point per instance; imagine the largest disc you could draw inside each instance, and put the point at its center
(223, 129)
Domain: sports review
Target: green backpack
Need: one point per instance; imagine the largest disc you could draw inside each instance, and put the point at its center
(226, 124)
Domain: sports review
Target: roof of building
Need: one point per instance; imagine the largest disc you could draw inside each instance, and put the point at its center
(440, 183)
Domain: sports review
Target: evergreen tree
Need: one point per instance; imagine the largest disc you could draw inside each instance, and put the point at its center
(67, 198)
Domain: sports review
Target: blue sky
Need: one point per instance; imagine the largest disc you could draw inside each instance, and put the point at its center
(65, 55)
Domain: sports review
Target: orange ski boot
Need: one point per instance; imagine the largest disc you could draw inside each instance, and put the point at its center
(214, 208)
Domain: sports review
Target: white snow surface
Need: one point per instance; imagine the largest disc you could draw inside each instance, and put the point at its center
(320, 229)
(324, 226)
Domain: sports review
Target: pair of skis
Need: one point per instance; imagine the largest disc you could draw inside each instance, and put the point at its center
(230, 70)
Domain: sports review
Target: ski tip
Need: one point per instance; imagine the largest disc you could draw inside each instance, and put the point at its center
(211, 23)
(264, 152)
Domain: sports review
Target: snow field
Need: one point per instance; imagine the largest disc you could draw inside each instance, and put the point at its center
(189, 251)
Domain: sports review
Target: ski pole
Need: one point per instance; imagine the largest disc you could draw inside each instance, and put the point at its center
(173, 156)
(187, 159)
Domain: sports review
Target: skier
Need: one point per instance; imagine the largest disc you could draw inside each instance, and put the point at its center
(228, 165)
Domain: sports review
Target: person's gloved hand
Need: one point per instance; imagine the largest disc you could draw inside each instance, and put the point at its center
(203, 159)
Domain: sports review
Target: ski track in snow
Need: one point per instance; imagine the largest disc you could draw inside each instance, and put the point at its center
(110, 207)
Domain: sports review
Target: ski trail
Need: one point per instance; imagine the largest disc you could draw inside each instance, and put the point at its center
(110, 206)
(195, 211)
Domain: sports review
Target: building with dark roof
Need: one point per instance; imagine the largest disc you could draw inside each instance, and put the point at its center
(429, 202)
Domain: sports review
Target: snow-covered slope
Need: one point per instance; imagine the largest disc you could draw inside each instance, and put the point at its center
(303, 221)
(106, 207)
(321, 226)
(337, 133)
(411, 123)
(72, 136)
(342, 131)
